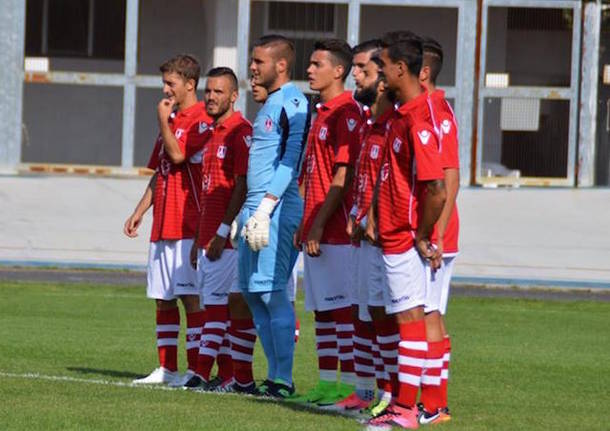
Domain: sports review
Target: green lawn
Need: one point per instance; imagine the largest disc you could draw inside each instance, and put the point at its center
(517, 364)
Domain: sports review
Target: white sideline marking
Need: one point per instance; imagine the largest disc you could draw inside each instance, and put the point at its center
(36, 376)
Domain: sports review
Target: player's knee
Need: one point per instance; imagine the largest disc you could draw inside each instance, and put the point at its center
(238, 307)
(166, 304)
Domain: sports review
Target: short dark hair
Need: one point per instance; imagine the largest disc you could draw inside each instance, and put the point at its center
(366, 46)
(285, 47)
(433, 57)
(185, 65)
(224, 71)
(404, 46)
(340, 52)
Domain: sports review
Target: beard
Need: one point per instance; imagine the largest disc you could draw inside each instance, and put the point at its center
(367, 95)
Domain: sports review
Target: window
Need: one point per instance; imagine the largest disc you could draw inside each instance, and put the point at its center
(76, 28)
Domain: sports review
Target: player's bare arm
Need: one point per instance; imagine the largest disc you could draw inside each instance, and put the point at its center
(342, 180)
(452, 185)
(216, 245)
(170, 143)
(432, 208)
(132, 224)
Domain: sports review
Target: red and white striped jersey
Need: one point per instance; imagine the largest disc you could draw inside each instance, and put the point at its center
(411, 156)
(177, 187)
(334, 139)
(225, 155)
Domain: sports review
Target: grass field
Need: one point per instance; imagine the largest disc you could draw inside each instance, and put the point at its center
(68, 353)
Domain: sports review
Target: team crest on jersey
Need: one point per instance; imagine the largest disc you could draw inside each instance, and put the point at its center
(268, 124)
(446, 126)
(178, 133)
(424, 136)
(351, 124)
(221, 152)
(165, 166)
(203, 126)
(296, 102)
(385, 171)
(374, 152)
(396, 145)
(323, 133)
(248, 141)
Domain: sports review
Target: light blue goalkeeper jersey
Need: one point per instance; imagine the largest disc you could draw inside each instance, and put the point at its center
(278, 144)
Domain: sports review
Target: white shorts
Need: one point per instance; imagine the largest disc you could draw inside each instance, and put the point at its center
(216, 279)
(437, 286)
(169, 272)
(291, 286)
(326, 279)
(370, 279)
(405, 281)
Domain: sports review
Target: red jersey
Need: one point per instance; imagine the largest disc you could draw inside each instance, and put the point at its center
(446, 127)
(372, 154)
(177, 188)
(334, 139)
(225, 155)
(411, 156)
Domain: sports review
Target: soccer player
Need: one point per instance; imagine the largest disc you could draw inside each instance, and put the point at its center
(412, 161)
(223, 173)
(445, 238)
(369, 359)
(273, 208)
(173, 192)
(333, 144)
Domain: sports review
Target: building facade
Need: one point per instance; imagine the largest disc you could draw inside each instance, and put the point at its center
(529, 80)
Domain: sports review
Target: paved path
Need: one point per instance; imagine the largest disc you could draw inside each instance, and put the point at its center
(546, 237)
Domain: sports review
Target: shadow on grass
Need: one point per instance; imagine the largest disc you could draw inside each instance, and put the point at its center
(302, 407)
(101, 372)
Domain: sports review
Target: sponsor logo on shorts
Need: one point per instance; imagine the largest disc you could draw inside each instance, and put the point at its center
(220, 295)
(189, 284)
(401, 299)
(334, 298)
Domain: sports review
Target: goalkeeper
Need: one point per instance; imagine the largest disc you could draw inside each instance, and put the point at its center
(273, 208)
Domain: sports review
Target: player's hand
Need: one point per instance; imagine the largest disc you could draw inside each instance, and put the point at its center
(427, 252)
(370, 231)
(353, 229)
(233, 235)
(214, 249)
(193, 254)
(296, 238)
(130, 228)
(257, 231)
(312, 245)
(164, 109)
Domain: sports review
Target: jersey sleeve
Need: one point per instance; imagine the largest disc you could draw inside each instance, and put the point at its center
(449, 144)
(347, 140)
(427, 155)
(294, 121)
(241, 147)
(153, 162)
(192, 140)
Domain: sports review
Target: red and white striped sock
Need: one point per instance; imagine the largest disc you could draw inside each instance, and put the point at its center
(168, 327)
(345, 342)
(383, 379)
(224, 359)
(411, 359)
(431, 393)
(445, 371)
(363, 356)
(194, 325)
(326, 346)
(243, 337)
(212, 337)
(387, 339)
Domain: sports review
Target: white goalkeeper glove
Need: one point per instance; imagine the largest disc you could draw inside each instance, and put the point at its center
(233, 235)
(256, 229)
